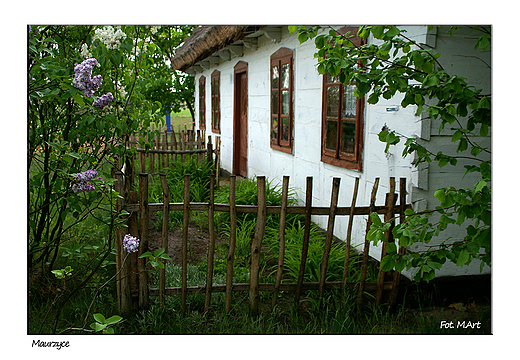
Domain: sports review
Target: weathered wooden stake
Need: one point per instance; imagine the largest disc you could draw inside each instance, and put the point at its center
(402, 250)
(185, 227)
(256, 245)
(232, 240)
(330, 234)
(390, 201)
(281, 239)
(306, 235)
(120, 188)
(211, 245)
(347, 242)
(367, 245)
(164, 234)
(144, 300)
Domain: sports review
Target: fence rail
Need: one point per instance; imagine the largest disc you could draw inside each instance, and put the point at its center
(134, 292)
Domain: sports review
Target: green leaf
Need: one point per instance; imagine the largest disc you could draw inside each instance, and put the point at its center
(427, 276)
(484, 130)
(376, 220)
(74, 155)
(292, 28)
(113, 320)
(387, 263)
(99, 318)
(392, 32)
(391, 248)
(97, 326)
(400, 264)
(480, 185)
(146, 254)
(463, 257)
(158, 252)
(78, 99)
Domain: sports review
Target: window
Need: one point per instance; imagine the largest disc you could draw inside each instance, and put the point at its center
(342, 122)
(281, 100)
(215, 101)
(202, 103)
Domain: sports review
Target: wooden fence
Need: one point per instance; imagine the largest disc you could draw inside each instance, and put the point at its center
(170, 146)
(133, 289)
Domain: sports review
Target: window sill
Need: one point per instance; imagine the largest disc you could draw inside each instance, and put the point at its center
(351, 165)
(285, 149)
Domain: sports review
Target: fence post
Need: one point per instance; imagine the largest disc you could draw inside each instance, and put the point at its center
(306, 235)
(120, 188)
(164, 234)
(402, 250)
(256, 245)
(347, 242)
(330, 231)
(390, 201)
(144, 300)
(367, 244)
(133, 269)
(281, 238)
(211, 245)
(232, 240)
(185, 226)
(209, 156)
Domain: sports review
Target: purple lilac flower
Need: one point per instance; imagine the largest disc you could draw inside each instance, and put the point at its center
(83, 181)
(130, 243)
(103, 100)
(83, 79)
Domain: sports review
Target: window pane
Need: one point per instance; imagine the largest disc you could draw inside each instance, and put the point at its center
(285, 102)
(274, 128)
(285, 76)
(333, 101)
(285, 128)
(348, 136)
(275, 102)
(332, 79)
(275, 77)
(349, 102)
(331, 133)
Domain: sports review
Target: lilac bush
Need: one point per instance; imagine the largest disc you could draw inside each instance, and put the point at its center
(130, 243)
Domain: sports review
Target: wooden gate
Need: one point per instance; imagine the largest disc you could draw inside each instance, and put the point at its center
(133, 289)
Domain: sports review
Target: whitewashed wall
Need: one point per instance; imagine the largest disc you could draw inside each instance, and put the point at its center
(306, 158)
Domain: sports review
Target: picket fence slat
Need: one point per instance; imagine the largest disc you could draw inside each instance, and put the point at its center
(366, 248)
(232, 243)
(211, 245)
(164, 234)
(349, 237)
(281, 238)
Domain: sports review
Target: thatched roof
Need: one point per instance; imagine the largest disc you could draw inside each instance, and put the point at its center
(207, 40)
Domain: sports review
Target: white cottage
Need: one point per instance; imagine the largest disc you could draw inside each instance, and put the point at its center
(257, 88)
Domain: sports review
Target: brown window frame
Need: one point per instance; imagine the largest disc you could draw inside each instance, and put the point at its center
(215, 101)
(283, 56)
(202, 103)
(354, 160)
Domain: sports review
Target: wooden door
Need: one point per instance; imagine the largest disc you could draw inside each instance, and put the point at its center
(240, 121)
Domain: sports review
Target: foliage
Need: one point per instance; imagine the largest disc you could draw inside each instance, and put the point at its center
(392, 64)
(71, 128)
